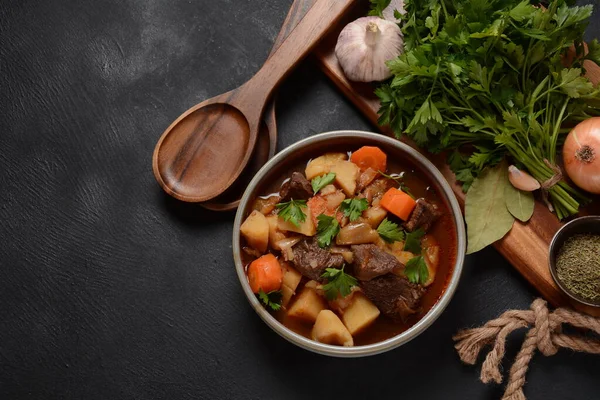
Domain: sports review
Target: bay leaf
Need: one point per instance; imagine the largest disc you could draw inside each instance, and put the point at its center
(519, 203)
(486, 214)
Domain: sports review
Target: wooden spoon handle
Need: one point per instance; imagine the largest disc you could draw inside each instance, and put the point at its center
(297, 12)
(318, 21)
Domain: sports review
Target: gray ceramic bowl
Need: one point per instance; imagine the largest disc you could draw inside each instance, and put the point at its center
(319, 144)
(590, 224)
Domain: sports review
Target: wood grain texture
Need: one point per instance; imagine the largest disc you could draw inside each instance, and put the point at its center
(206, 149)
(526, 245)
(267, 135)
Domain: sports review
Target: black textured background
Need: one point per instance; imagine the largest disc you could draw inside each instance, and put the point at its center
(111, 290)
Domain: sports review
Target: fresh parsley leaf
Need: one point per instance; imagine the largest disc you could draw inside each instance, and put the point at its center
(416, 270)
(390, 232)
(327, 228)
(338, 283)
(320, 182)
(413, 241)
(353, 208)
(522, 11)
(271, 299)
(573, 84)
(465, 176)
(568, 16)
(593, 51)
(291, 211)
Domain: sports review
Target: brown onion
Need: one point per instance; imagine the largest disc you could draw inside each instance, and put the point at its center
(580, 155)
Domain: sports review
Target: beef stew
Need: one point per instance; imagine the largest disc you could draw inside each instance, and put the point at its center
(352, 249)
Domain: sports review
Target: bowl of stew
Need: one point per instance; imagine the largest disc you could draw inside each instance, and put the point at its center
(349, 243)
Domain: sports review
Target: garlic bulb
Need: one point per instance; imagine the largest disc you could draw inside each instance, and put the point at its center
(388, 12)
(522, 180)
(365, 45)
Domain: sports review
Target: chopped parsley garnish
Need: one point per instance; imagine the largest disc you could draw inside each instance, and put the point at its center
(271, 299)
(320, 182)
(291, 211)
(327, 228)
(353, 208)
(416, 270)
(390, 232)
(413, 241)
(338, 283)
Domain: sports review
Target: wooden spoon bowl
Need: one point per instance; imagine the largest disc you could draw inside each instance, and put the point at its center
(206, 134)
(264, 151)
(206, 149)
(267, 132)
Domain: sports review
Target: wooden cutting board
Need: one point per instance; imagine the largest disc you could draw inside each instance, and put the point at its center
(526, 245)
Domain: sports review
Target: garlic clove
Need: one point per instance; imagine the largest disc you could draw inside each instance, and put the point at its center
(365, 45)
(522, 180)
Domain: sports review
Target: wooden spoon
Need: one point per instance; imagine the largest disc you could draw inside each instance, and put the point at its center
(204, 151)
(266, 144)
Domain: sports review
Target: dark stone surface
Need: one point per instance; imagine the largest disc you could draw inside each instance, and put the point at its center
(111, 290)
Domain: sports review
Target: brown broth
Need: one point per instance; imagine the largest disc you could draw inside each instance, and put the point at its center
(443, 231)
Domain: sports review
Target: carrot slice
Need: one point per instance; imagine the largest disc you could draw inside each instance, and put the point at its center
(265, 273)
(398, 203)
(370, 157)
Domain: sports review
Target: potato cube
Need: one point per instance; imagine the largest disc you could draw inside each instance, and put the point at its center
(313, 285)
(360, 314)
(329, 329)
(346, 174)
(286, 295)
(375, 215)
(329, 189)
(403, 256)
(291, 280)
(255, 230)
(275, 235)
(291, 277)
(322, 165)
(306, 228)
(307, 306)
(335, 199)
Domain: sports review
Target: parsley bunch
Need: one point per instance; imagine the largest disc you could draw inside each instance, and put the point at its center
(489, 76)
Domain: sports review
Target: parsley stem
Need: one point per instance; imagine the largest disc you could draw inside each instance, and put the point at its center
(525, 74)
(443, 3)
(554, 138)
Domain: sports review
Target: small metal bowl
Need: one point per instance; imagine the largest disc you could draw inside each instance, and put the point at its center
(589, 224)
(317, 145)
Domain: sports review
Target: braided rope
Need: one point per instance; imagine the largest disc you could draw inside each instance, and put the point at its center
(544, 335)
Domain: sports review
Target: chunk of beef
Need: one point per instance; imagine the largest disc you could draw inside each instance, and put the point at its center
(423, 216)
(297, 188)
(377, 189)
(394, 295)
(311, 260)
(370, 262)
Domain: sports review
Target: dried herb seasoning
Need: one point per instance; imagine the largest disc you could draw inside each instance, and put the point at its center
(578, 266)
